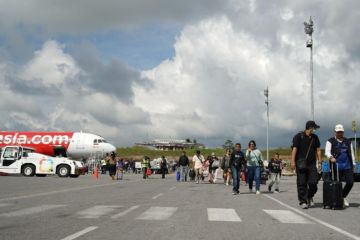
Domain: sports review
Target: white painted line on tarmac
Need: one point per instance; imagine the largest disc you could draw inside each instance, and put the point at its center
(286, 216)
(172, 188)
(97, 211)
(125, 212)
(157, 196)
(157, 213)
(30, 211)
(79, 234)
(223, 215)
(328, 225)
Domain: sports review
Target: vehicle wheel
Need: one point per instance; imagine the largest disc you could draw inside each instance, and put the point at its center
(28, 170)
(74, 176)
(41, 175)
(63, 171)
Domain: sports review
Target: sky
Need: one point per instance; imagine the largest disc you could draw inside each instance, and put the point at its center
(136, 70)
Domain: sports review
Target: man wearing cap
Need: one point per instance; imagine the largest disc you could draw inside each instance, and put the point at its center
(340, 150)
(306, 159)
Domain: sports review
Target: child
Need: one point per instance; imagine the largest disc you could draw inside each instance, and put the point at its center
(275, 166)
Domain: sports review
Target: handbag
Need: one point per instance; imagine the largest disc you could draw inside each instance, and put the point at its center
(216, 164)
(302, 162)
(260, 162)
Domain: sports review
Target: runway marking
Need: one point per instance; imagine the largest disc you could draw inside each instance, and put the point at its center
(125, 212)
(97, 211)
(30, 211)
(286, 216)
(82, 232)
(223, 215)
(328, 225)
(172, 188)
(157, 213)
(157, 196)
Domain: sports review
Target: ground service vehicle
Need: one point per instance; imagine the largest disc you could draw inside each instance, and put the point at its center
(22, 160)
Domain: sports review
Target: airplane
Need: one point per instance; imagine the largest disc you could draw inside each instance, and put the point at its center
(74, 145)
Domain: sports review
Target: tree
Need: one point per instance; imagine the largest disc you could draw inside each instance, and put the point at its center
(188, 140)
(194, 141)
(228, 144)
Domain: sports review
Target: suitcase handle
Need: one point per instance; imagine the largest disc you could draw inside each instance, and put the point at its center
(333, 173)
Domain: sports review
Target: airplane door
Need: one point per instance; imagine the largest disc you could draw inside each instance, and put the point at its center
(80, 144)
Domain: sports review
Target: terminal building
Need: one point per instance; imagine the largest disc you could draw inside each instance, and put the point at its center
(171, 144)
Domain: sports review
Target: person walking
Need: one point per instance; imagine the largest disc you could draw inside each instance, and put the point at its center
(236, 161)
(275, 167)
(225, 166)
(305, 155)
(198, 161)
(184, 166)
(254, 162)
(145, 165)
(112, 165)
(340, 150)
(104, 163)
(215, 164)
(120, 169)
(163, 166)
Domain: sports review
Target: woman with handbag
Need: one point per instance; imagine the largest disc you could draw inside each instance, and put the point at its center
(254, 163)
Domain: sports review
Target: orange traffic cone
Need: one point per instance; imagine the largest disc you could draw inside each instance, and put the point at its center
(96, 173)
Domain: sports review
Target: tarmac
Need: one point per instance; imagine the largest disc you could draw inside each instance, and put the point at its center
(155, 208)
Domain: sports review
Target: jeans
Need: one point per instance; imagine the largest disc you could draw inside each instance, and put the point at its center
(236, 178)
(306, 184)
(183, 173)
(254, 174)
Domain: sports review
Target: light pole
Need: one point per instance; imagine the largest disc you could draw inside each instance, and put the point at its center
(354, 128)
(266, 93)
(309, 29)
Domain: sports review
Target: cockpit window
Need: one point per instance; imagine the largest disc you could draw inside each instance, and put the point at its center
(104, 141)
(95, 141)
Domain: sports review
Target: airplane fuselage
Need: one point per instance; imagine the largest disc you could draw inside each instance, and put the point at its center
(75, 145)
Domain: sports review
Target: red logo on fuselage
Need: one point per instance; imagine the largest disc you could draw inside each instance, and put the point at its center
(43, 142)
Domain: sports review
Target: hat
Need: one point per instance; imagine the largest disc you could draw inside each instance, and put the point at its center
(311, 124)
(213, 154)
(339, 128)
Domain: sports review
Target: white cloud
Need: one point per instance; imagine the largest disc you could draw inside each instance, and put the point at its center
(213, 87)
(50, 66)
(287, 14)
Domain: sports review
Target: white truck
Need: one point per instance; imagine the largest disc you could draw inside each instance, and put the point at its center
(22, 160)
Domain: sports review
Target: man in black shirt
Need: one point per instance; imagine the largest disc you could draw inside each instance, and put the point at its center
(184, 166)
(237, 159)
(306, 159)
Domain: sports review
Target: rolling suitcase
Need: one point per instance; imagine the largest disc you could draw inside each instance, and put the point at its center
(332, 192)
(178, 176)
(192, 175)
